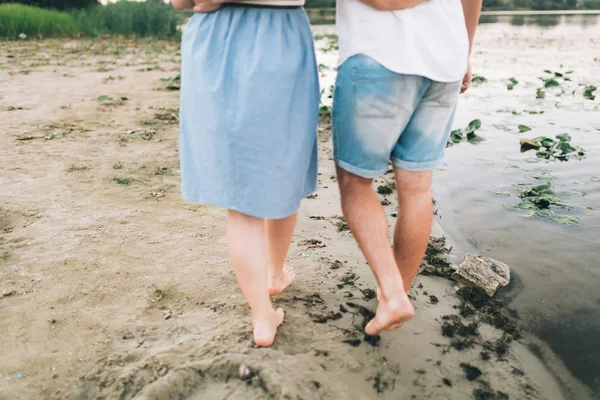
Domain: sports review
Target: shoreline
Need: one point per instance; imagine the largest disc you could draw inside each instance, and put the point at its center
(542, 12)
(113, 287)
(570, 386)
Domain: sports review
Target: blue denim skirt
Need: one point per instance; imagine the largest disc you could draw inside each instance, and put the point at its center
(249, 110)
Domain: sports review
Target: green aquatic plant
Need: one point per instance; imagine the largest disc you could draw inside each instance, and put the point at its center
(523, 128)
(478, 79)
(468, 134)
(325, 111)
(540, 200)
(550, 83)
(555, 80)
(541, 174)
(540, 94)
(588, 92)
(331, 41)
(553, 149)
(512, 83)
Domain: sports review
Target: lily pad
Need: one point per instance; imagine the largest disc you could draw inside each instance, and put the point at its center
(524, 128)
(468, 134)
(540, 94)
(576, 192)
(565, 219)
(540, 201)
(551, 149)
(473, 126)
(478, 79)
(588, 92)
(540, 174)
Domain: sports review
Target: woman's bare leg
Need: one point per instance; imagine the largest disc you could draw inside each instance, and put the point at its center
(248, 253)
(279, 233)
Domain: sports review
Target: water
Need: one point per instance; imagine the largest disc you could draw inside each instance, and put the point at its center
(556, 268)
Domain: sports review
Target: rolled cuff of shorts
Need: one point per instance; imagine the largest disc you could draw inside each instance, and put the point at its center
(417, 166)
(363, 173)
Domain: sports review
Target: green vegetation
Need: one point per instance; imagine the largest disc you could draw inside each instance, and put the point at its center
(151, 18)
(74, 168)
(497, 5)
(540, 201)
(16, 19)
(523, 128)
(123, 181)
(174, 82)
(468, 134)
(553, 149)
(387, 188)
(55, 4)
(478, 79)
(588, 92)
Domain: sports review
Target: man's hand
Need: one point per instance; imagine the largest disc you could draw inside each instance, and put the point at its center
(207, 6)
(466, 83)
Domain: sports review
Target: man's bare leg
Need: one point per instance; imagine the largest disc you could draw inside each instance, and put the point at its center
(415, 217)
(279, 233)
(366, 219)
(248, 253)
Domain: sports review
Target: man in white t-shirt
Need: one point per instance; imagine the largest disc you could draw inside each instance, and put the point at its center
(403, 64)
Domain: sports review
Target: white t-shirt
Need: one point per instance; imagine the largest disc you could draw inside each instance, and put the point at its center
(428, 40)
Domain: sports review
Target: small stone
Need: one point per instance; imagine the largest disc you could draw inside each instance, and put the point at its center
(528, 144)
(244, 372)
(162, 371)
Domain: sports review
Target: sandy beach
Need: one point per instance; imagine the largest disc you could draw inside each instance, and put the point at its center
(112, 287)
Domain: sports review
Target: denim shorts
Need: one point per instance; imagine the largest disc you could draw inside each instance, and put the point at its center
(381, 116)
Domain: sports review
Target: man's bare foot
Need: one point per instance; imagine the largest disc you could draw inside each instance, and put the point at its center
(392, 327)
(265, 331)
(391, 313)
(277, 284)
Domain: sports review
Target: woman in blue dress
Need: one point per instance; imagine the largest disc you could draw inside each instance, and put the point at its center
(249, 112)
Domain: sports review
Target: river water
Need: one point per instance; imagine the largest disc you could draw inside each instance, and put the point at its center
(556, 267)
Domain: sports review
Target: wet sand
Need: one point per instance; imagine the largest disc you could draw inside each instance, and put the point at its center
(112, 287)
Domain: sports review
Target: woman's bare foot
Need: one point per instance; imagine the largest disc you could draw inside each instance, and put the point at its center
(391, 313)
(265, 331)
(277, 284)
